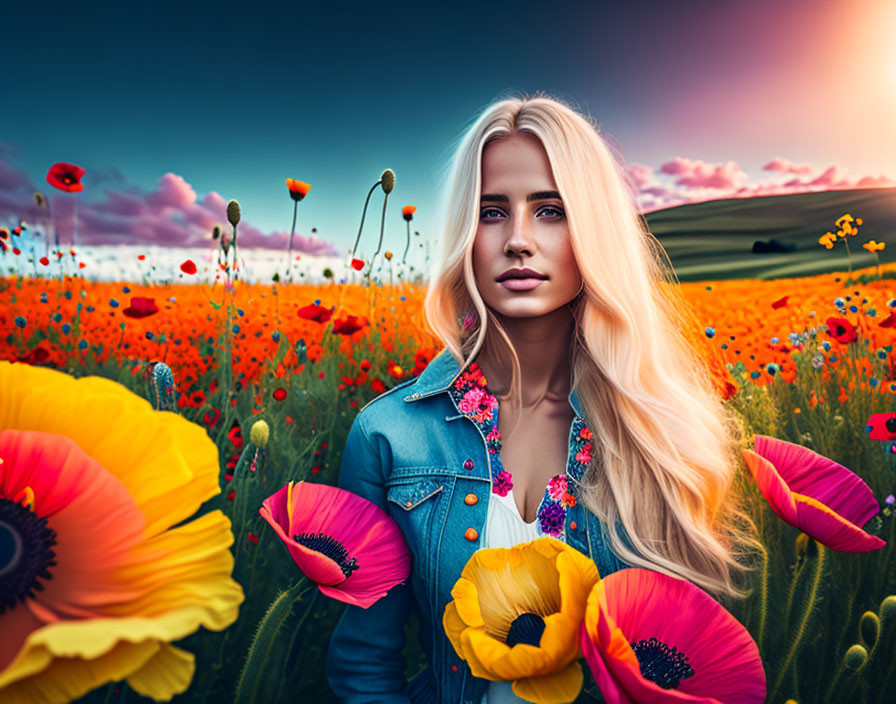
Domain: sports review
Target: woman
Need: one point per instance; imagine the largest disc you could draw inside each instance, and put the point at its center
(593, 421)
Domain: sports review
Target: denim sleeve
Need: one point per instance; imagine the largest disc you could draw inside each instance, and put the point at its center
(365, 660)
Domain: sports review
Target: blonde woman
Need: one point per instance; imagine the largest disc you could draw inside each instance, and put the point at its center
(567, 402)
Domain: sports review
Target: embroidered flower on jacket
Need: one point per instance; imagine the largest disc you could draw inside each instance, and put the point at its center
(502, 483)
(493, 440)
(584, 455)
(557, 487)
(479, 402)
(551, 518)
(585, 433)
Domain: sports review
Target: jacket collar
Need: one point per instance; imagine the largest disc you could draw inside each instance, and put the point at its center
(441, 373)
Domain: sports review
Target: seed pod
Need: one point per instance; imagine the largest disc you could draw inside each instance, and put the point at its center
(233, 213)
(869, 629)
(888, 611)
(260, 433)
(388, 179)
(855, 657)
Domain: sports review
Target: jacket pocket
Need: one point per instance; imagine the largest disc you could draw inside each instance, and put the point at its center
(411, 494)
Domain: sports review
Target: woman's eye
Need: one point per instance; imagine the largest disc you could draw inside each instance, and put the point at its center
(552, 210)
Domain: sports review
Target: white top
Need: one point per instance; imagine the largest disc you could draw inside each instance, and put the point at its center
(505, 528)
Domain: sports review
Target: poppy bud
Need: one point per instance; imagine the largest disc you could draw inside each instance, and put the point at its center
(233, 213)
(39, 199)
(388, 180)
(802, 544)
(855, 657)
(259, 433)
(887, 610)
(869, 628)
(216, 233)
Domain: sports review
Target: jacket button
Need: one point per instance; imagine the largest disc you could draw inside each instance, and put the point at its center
(408, 503)
(468, 464)
(471, 534)
(573, 526)
(470, 499)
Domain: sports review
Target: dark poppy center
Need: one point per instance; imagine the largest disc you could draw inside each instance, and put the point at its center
(526, 628)
(329, 547)
(26, 553)
(662, 664)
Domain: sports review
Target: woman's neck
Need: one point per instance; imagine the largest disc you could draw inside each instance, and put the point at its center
(542, 345)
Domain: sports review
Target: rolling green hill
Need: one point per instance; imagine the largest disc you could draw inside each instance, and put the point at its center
(715, 240)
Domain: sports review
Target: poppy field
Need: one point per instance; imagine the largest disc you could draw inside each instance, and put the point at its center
(213, 400)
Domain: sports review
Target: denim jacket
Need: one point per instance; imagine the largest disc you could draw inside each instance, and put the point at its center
(412, 453)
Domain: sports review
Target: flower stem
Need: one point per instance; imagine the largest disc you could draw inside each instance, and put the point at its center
(263, 643)
(295, 212)
(801, 629)
(763, 597)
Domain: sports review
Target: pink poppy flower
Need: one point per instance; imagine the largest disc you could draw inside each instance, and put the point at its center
(649, 637)
(814, 494)
(349, 546)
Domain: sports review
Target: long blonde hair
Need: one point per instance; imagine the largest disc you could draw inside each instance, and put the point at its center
(665, 447)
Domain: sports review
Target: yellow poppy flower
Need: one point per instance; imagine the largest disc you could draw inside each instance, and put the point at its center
(515, 616)
(95, 581)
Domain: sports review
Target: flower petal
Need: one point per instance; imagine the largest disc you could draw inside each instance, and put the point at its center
(168, 672)
(556, 688)
(811, 474)
(830, 528)
(466, 601)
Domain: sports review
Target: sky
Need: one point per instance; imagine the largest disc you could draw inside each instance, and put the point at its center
(173, 109)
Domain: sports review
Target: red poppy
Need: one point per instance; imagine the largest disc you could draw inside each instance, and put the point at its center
(211, 417)
(357, 264)
(780, 303)
(297, 189)
(377, 386)
(141, 307)
(279, 394)
(317, 313)
(188, 267)
(66, 177)
(888, 322)
(349, 325)
(407, 212)
(44, 261)
(236, 436)
(4, 233)
(841, 330)
(36, 356)
(141, 257)
(197, 397)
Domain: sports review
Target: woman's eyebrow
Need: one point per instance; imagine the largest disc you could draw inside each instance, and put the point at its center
(539, 195)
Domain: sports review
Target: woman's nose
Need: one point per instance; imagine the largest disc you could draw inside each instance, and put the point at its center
(520, 235)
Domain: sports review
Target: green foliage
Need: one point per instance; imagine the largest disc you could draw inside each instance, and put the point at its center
(809, 621)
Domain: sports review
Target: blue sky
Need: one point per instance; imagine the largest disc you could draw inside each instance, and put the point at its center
(174, 109)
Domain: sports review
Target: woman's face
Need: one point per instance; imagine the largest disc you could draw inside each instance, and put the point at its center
(522, 223)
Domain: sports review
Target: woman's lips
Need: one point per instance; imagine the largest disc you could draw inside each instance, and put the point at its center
(521, 284)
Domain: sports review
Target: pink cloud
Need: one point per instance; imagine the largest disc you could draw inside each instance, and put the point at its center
(170, 216)
(785, 166)
(695, 181)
